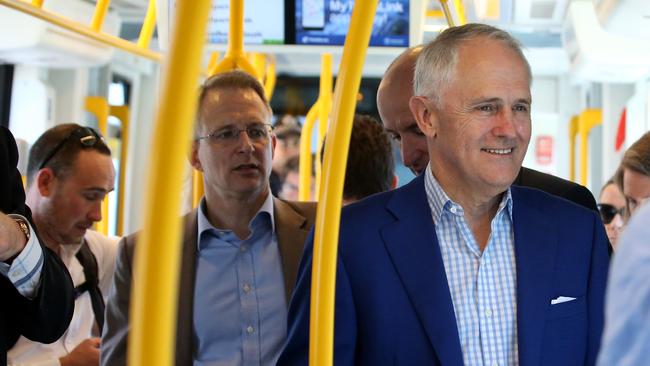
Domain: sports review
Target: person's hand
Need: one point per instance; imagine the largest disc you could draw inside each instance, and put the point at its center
(12, 239)
(85, 354)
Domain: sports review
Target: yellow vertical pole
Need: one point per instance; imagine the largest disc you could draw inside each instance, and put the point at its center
(259, 63)
(304, 187)
(197, 188)
(154, 297)
(148, 25)
(448, 16)
(271, 78)
(321, 332)
(37, 3)
(324, 109)
(460, 10)
(122, 113)
(100, 13)
(235, 57)
(98, 106)
(213, 62)
(589, 118)
(573, 132)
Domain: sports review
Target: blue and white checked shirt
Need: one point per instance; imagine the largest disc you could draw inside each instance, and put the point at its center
(482, 285)
(25, 270)
(240, 309)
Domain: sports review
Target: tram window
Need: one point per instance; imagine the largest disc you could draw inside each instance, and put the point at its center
(119, 91)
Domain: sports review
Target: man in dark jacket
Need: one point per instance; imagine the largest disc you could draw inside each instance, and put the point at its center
(35, 287)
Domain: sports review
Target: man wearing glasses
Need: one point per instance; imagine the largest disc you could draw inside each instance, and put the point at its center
(241, 247)
(35, 289)
(69, 173)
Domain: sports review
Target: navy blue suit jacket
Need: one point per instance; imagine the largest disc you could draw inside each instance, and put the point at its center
(393, 305)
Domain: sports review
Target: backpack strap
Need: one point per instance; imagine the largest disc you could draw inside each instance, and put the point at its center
(89, 263)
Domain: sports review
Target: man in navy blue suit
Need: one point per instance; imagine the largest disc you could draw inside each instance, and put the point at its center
(459, 266)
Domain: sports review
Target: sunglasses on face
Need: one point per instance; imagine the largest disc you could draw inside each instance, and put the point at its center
(608, 212)
(86, 136)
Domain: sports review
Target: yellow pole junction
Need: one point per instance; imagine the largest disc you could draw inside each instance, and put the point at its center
(271, 78)
(213, 62)
(100, 13)
(154, 297)
(324, 108)
(80, 29)
(573, 132)
(321, 334)
(445, 9)
(305, 166)
(148, 26)
(259, 64)
(98, 106)
(588, 119)
(121, 112)
(37, 3)
(235, 57)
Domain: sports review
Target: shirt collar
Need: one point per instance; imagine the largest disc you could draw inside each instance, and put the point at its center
(264, 216)
(439, 201)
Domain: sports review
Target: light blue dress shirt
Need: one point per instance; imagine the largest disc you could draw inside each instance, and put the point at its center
(25, 271)
(626, 339)
(482, 284)
(240, 311)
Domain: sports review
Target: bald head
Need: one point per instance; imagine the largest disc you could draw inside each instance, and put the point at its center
(395, 90)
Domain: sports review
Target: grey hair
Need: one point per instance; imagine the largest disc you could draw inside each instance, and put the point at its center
(436, 65)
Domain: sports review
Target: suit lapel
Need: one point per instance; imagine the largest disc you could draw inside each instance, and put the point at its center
(535, 251)
(413, 247)
(291, 232)
(185, 325)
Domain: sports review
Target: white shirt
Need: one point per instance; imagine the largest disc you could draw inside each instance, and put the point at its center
(82, 326)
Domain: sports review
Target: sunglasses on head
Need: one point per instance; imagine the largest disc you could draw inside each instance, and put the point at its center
(86, 136)
(608, 212)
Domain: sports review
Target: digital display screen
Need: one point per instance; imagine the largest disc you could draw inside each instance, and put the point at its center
(263, 21)
(326, 22)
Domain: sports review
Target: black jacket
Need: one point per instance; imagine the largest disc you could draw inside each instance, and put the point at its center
(46, 317)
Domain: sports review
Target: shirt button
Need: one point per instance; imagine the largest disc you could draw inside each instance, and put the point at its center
(250, 329)
(243, 248)
(488, 313)
(246, 288)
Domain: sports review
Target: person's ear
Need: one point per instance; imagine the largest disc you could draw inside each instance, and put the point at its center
(425, 115)
(194, 156)
(274, 141)
(45, 181)
(395, 182)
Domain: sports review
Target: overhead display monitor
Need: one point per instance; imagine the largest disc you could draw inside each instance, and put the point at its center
(263, 22)
(326, 22)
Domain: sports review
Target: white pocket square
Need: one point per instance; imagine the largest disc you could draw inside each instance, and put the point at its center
(561, 299)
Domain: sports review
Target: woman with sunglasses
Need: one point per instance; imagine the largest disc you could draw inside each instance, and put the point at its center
(611, 206)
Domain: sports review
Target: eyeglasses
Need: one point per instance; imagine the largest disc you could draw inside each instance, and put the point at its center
(87, 138)
(258, 132)
(608, 212)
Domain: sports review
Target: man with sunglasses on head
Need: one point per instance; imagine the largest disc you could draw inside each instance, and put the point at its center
(69, 173)
(240, 247)
(36, 294)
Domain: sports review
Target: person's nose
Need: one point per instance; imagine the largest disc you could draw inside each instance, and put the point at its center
(95, 213)
(245, 142)
(505, 124)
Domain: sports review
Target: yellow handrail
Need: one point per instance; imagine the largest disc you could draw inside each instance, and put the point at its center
(81, 29)
(37, 3)
(154, 295)
(122, 113)
(100, 13)
(573, 132)
(213, 62)
(589, 118)
(271, 78)
(324, 109)
(259, 63)
(323, 284)
(235, 57)
(146, 32)
(445, 9)
(98, 106)
(305, 166)
(460, 10)
(198, 190)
